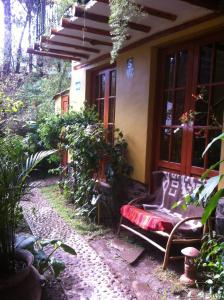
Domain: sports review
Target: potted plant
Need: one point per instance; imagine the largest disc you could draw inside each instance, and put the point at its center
(15, 266)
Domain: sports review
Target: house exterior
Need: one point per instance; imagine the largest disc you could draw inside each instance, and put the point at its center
(172, 63)
(61, 102)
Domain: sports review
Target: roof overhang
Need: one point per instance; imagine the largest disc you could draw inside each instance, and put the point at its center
(62, 93)
(85, 38)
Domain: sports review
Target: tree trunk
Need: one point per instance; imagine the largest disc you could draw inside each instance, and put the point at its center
(7, 37)
(19, 50)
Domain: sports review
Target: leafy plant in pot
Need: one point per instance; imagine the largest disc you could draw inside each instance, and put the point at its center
(14, 184)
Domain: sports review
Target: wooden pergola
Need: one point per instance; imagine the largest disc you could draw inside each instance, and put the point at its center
(85, 38)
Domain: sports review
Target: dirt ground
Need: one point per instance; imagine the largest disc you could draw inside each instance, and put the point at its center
(145, 276)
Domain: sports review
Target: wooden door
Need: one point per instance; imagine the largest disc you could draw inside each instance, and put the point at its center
(64, 104)
(64, 109)
(104, 97)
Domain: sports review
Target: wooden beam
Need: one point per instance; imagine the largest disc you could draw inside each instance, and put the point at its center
(51, 54)
(77, 47)
(60, 51)
(151, 11)
(155, 36)
(81, 13)
(78, 38)
(66, 23)
(214, 5)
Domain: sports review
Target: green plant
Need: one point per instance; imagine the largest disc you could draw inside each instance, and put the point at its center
(121, 12)
(14, 184)
(207, 194)
(211, 259)
(211, 265)
(44, 261)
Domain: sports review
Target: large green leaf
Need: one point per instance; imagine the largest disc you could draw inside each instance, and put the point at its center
(212, 205)
(219, 137)
(57, 265)
(205, 174)
(48, 242)
(68, 249)
(209, 187)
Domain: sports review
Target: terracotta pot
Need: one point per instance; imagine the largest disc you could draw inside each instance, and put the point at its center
(24, 285)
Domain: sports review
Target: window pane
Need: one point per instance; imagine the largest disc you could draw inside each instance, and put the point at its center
(181, 68)
(102, 85)
(111, 110)
(179, 107)
(218, 106)
(169, 70)
(101, 109)
(168, 109)
(176, 146)
(205, 64)
(215, 150)
(113, 83)
(97, 92)
(164, 144)
(198, 147)
(219, 62)
(201, 107)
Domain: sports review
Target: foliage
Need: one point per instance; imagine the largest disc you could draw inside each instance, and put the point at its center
(86, 140)
(121, 12)
(211, 266)
(90, 152)
(207, 194)
(42, 261)
(14, 183)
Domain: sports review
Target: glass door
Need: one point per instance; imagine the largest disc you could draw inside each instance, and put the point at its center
(105, 98)
(190, 106)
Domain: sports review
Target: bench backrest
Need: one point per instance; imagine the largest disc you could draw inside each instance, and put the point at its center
(169, 188)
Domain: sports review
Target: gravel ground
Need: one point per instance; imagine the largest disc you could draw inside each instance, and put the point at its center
(86, 276)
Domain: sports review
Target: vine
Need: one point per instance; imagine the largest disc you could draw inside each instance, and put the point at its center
(121, 12)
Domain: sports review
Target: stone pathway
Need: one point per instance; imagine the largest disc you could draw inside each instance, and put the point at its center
(86, 276)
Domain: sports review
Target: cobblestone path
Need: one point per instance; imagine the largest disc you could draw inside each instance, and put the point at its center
(86, 276)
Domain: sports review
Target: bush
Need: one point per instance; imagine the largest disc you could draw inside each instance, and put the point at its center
(211, 266)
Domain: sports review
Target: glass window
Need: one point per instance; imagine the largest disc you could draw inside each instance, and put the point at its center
(205, 64)
(181, 68)
(169, 71)
(219, 62)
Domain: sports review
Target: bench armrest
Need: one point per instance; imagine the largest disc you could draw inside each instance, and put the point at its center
(137, 200)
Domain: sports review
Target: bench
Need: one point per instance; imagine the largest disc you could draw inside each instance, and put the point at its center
(153, 214)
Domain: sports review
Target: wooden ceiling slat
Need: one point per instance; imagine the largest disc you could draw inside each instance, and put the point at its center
(66, 23)
(64, 52)
(151, 11)
(81, 13)
(47, 41)
(78, 38)
(51, 54)
(209, 4)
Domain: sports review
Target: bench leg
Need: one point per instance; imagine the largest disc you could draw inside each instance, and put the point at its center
(119, 226)
(167, 252)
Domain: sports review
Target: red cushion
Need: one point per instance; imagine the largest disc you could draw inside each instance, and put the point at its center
(147, 220)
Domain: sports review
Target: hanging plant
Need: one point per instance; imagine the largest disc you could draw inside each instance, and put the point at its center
(121, 12)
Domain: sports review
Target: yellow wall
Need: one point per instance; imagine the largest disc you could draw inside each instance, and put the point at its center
(78, 89)
(135, 97)
(132, 106)
(57, 105)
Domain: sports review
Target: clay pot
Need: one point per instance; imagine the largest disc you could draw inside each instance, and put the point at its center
(24, 285)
